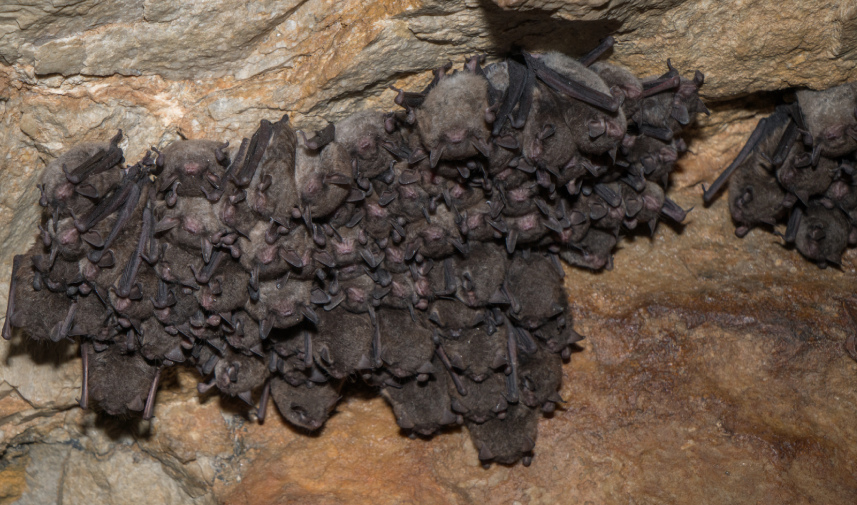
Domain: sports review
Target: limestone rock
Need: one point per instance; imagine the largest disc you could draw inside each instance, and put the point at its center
(741, 48)
(63, 473)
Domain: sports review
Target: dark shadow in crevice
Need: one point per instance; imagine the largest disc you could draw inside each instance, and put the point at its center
(539, 31)
(41, 352)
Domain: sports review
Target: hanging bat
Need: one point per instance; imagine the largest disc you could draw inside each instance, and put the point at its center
(418, 251)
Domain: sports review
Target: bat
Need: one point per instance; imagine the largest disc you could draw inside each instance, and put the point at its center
(452, 120)
(508, 440)
(820, 234)
(422, 407)
(367, 141)
(796, 167)
(189, 167)
(417, 250)
(485, 400)
(829, 117)
(308, 405)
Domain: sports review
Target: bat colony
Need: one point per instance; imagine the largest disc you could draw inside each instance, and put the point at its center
(798, 166)
(418, 250)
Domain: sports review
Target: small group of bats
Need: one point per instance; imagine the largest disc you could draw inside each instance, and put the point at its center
(417, 250)
(798, 167)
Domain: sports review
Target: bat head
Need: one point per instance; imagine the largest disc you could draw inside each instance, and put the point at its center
(451, 121)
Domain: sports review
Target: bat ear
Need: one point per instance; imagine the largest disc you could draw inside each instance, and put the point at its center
(485, 453)
(391, 122)
(491, 113)
(405, 422)
(246, 397)
(680, 113)
(427, 368)
(448, 418)
(834, 259)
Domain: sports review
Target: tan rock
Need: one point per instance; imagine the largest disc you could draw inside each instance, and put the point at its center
(59, 473)
(741, 48)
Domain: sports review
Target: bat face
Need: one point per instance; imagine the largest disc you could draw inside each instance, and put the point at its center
(650, 157)
(594, 251)
(314, 174)
(557, 335)
(422, 407)
(453, 316)
(624, 79)
(803, 179)
(193, 220)
(547, 140)
(306, 406)
(344, 341)
(406, 347)
(367, 141)
(242, 332)
(43, 312)
(507, 440)
(822, 234)
(532, 282)
(237, 373)
(482, 272)
(190, 165)
(596, 130)
(829, 116)
(417, 251)
(92, 166)
(755, 198)
(540, 376)
(451, 121)
(226, 291)
(477, 352)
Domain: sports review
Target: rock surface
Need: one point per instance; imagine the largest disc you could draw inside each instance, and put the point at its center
(714, 369)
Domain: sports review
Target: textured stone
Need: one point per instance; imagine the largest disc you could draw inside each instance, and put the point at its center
(742, 47)
(63, 473)
(714, 368)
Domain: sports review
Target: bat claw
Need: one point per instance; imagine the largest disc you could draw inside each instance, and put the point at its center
(673, 211)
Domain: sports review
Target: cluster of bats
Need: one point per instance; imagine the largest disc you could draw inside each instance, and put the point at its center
(798, 167)
(418, 250)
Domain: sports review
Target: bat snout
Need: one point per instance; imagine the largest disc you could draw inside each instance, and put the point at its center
(456, 136)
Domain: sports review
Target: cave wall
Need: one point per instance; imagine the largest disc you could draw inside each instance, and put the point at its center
(714, 368)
